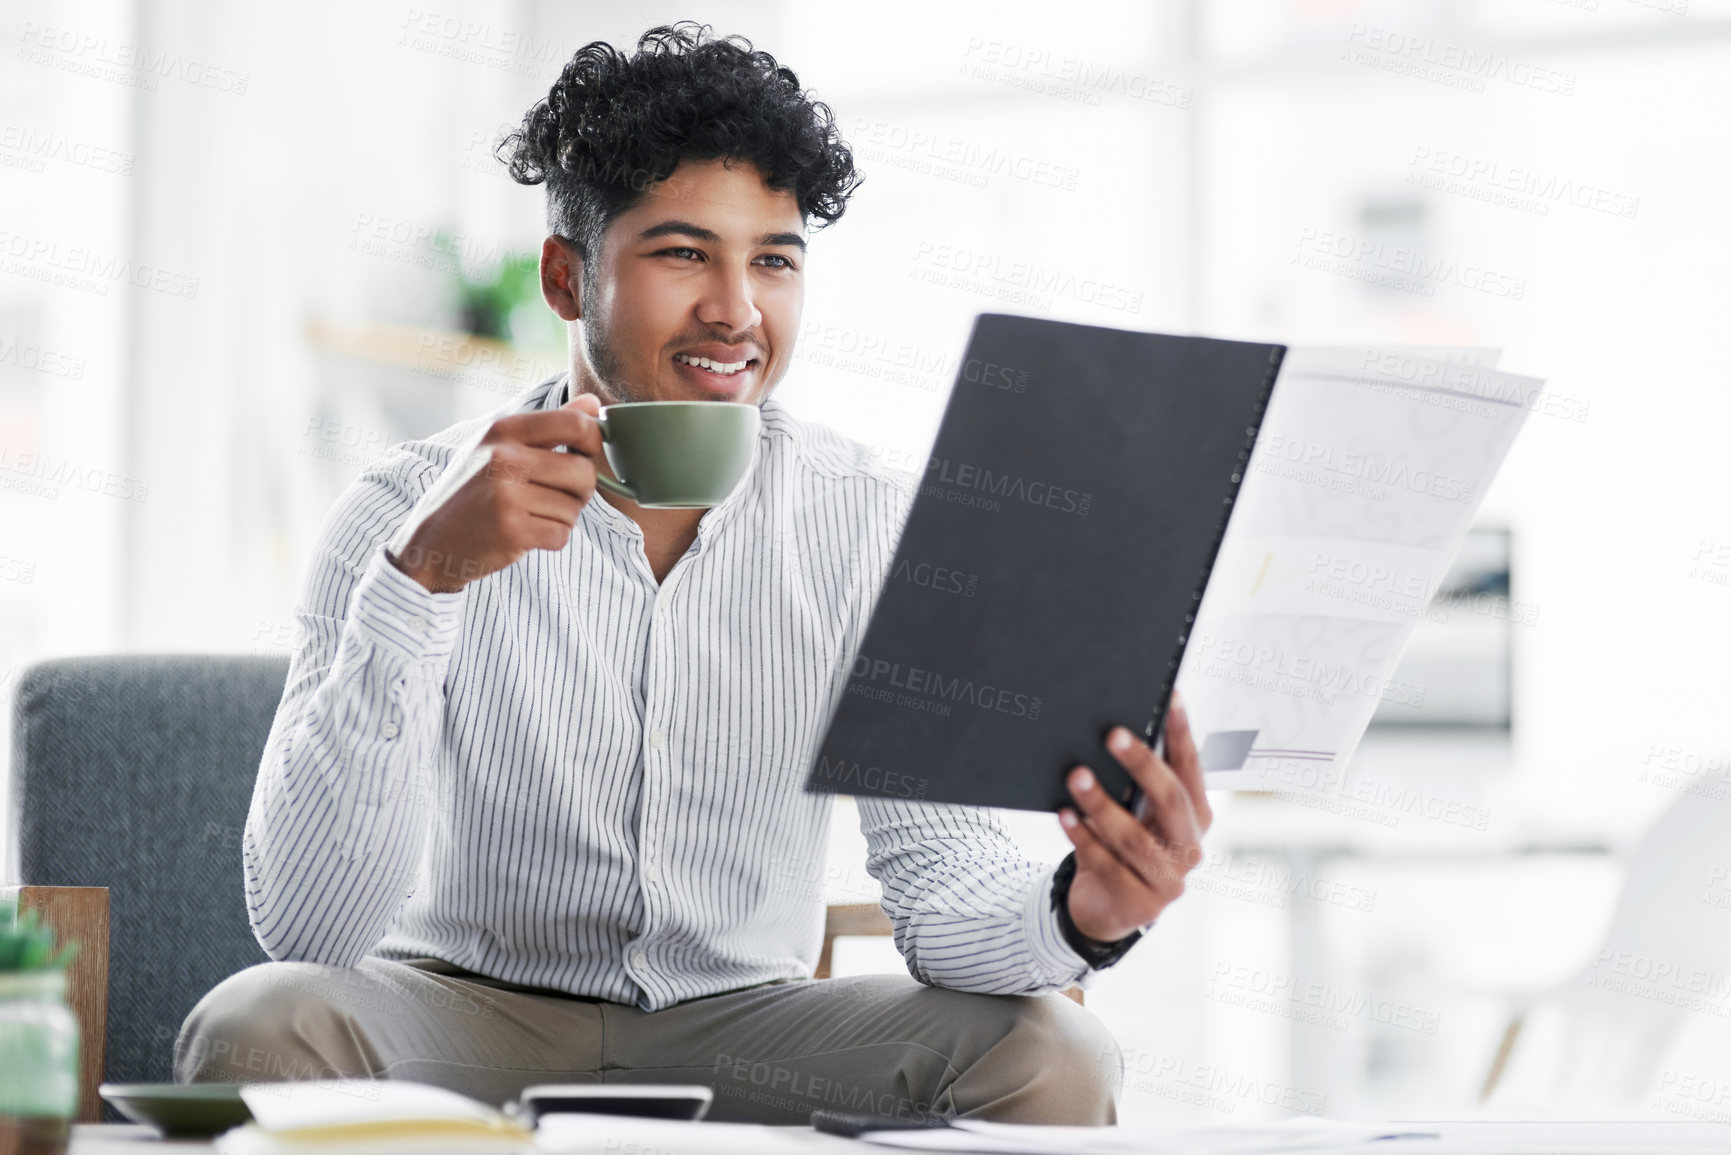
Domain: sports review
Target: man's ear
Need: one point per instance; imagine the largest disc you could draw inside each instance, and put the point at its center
(562, 278)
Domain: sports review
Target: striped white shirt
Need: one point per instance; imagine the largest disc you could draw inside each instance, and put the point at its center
(568, 776)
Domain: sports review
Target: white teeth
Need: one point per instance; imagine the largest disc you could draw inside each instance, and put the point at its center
(713, 366)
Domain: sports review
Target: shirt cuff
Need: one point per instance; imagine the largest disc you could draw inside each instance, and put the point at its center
(1056, 963)
(402, 617)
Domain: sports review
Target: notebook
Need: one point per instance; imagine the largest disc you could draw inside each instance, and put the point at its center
(374, 1116)
(1051, 565)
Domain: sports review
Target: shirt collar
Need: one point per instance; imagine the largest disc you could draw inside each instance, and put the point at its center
(710, 522)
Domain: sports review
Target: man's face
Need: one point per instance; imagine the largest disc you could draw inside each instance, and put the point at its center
(708, 266)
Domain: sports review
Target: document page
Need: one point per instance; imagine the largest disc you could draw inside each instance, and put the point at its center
(1368, 470)
(1299, 1136)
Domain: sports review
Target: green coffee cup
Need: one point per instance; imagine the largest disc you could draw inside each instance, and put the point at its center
(677, 454)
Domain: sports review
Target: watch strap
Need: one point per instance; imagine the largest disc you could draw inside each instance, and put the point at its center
(1097, 955)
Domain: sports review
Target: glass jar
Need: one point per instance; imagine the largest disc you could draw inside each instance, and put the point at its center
(38, 1063)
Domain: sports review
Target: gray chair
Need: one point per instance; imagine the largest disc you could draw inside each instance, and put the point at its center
(134, 774)
(131, 780)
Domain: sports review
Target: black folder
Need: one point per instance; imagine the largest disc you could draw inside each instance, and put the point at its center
(1051, 564)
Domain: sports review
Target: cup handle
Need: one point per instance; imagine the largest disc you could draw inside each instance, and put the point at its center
(605, 482)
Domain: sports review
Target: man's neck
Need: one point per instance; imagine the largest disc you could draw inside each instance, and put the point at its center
(667, 533)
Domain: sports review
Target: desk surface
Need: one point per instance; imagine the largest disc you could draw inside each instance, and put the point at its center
(136, 1139)
(1444, 1137)
(130, 1138)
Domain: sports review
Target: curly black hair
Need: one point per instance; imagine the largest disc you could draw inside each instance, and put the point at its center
(612, 125)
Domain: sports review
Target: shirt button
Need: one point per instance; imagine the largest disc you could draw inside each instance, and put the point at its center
(389, 729)
(657, 739)
(650, 874)
(639, 959)
(418, 625)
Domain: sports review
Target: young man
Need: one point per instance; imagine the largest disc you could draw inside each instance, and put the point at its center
(532, 809)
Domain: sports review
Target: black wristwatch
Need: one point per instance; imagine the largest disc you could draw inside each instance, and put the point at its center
(1097, 955)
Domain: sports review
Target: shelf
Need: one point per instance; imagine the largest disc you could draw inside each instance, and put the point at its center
(439, 353)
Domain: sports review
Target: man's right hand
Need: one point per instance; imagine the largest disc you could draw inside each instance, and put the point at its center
(511, 493)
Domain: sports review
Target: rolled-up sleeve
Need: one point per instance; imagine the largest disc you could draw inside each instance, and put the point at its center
(970, 911)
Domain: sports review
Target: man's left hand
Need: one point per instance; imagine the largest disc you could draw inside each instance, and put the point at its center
(1130, 867)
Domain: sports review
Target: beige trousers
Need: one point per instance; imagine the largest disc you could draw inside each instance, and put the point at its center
(881, 1044)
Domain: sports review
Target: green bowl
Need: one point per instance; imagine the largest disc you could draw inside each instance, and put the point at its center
(192, 1109)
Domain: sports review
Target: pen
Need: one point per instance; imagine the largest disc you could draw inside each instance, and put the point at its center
(853, 1124)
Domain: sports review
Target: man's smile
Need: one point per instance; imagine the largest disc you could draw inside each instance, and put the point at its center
(718, 368)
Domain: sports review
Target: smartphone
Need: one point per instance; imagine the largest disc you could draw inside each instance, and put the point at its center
(645, 1100)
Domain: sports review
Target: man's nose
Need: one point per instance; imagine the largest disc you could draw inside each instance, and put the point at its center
(727, 301)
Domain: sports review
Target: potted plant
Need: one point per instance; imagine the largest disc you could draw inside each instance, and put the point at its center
(38, 1037)
(501, 299)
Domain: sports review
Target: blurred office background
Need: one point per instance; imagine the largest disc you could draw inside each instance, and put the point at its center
(244, 248)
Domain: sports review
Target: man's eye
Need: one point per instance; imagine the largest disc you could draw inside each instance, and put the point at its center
(681, 252)
(785, 263)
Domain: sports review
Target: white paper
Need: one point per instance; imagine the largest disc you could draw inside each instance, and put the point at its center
(1369, 467)
(251, 1139)
(574, 1134)
(1296, 1135)
(1312, 1136)
(342, 1102)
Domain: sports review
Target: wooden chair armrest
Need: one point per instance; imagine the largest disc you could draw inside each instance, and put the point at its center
(79, 912)
(868, 918)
